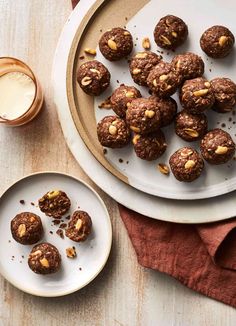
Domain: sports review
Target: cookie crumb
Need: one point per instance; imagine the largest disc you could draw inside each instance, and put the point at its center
(22, 202)
(60, 233)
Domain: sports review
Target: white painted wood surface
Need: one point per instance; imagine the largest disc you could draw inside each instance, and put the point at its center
(124, 293)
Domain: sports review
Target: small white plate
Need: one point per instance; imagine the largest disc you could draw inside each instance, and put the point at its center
(91, 254)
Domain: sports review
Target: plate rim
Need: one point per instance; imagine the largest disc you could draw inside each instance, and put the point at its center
(212, 191)
(108, 248)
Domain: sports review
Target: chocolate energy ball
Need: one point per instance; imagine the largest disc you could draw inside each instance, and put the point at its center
(190, 127)
(79, 226)
(188, 65)
(217, 41)
(167, 107)
(170, 32)
(141, 64)
(93, 77)
(44, 259)
(217, 147)
(122, 97)
(27, 228)
(225, 94)
(113, 132)
(143, 116)
(197, 95)
(150, 147)
(186, 164)
(116, 44)
(55, 203)
(163, 80)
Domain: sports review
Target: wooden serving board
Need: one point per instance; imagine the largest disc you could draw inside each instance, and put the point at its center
(140, 16)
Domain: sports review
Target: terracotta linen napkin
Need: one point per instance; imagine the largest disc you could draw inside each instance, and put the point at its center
(202, 257)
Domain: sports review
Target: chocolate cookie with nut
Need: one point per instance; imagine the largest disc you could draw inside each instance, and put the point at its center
(188, 65)
(170, 32)
(122, 97)
(54, 203)
(141, 64)
(113, 132)
(167, 107)
(151, 146)
(27, 228)
(163, 80)
(225, 94)
(44, 259)
(196, 95)
(93, 77)
(190, 127)
(143, 116)
(116, 44)
(217, 41)
(79, 226)
(217, 147)
(186, 164)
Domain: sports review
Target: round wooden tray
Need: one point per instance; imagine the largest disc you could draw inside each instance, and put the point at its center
(137, 14)
(200, 211)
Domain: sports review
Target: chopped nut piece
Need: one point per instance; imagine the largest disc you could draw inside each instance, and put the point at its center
(165, 40)
(186, 154)
(163, 77)
(112, 45)
(146, 43)
(178, 63)
(135, 129)
(155, 82)
(136, 71)
(223, 40)
(207, 84)
(141, 55)
(174, 34)
(189, 164)
(106, 104)
(201, 92)
(21, 230)
(163, 168)
(86, 81)
(149, 113)
(95, 71)
(32, 219)
(71, 252)
(90, 51)
(44, 262)
(36, 253)
(52, 194)
(191, 132)
(126, 33)
(78, 224)
(221, 150)
(129, 94)
(135, 139)
(112, 130)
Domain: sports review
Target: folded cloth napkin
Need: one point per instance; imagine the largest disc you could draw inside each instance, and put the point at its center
(202, 257)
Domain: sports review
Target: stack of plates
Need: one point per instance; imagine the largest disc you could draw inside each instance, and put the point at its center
(137, 184)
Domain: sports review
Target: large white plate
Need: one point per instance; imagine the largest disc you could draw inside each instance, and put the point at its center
(198, 15)
(200, 211)
(91, 254)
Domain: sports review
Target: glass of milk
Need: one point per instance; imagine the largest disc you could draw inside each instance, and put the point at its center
(21, 96)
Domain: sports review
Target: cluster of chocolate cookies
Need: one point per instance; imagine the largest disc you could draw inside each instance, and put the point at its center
(27, 229)
(146, 116)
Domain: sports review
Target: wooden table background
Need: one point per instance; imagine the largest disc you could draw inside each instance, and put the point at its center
(124, 293)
